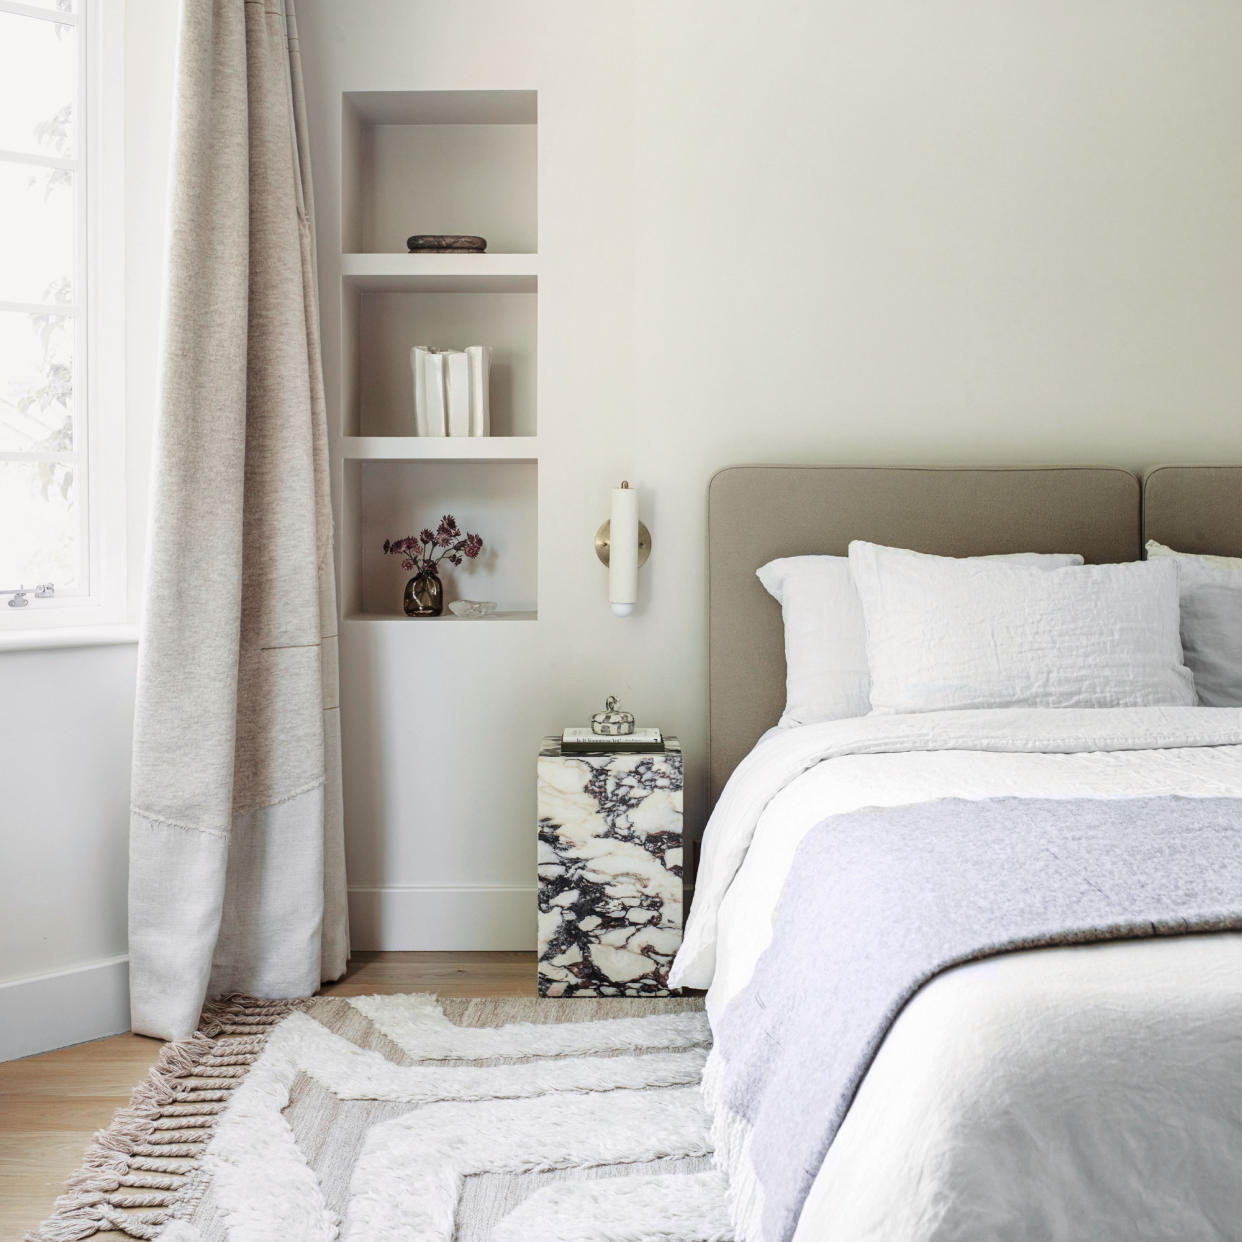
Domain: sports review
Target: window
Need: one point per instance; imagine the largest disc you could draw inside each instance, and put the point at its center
(58, 559)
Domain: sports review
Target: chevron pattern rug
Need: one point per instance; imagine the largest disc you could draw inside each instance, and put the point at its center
(386, 1118)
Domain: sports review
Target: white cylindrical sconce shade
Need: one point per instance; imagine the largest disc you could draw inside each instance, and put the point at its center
(623, 550)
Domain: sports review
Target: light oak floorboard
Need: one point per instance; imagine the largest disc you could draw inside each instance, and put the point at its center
(51, 1104)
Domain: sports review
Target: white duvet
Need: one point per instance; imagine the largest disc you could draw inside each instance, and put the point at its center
(1084, 1094)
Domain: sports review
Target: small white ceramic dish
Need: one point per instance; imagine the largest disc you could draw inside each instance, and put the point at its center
(472, 607)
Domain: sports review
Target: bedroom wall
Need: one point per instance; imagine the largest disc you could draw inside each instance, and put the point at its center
(946, 232)
(66, 713)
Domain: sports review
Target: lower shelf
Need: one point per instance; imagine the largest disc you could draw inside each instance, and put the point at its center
(439, 448)
(387, 500)
(499, 615)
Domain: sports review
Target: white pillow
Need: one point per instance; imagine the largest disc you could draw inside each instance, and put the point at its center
(1211, 592)
(826, 675)
(963, 634)
(825, 638)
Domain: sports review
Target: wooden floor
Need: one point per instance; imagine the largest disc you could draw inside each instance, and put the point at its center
(51, 1104)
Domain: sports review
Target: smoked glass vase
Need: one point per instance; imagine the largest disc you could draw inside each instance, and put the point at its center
(424, 595)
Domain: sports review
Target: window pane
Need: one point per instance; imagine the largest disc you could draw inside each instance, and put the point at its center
(38, 64)
(36, 234)
(36, 383)
(39, 539)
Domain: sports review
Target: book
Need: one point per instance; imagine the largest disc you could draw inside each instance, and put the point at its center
(585, 741)
(451, 396)
(429, 414)
(480, 359)
(457, 392)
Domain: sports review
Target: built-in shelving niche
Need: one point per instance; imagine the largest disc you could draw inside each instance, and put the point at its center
(391, 499)
(438, 162)
(386, 322)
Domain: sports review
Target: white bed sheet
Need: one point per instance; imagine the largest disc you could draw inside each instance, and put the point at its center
(1090, 1093)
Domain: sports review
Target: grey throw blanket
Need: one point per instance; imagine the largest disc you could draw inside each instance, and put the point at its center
(878, 902)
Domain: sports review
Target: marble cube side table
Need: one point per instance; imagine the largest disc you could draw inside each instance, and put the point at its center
(610, 851)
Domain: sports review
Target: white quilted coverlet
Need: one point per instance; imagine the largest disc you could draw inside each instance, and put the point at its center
(1084, 1094)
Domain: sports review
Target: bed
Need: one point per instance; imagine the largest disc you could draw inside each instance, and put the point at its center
(1058, 1092)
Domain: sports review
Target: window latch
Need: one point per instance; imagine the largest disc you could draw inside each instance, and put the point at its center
(21, 597)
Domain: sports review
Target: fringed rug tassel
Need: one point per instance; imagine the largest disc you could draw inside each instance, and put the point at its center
(136, 1170)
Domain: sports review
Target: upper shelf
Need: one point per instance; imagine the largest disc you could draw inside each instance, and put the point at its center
(439, 162)
(442, 107)
(442, 273)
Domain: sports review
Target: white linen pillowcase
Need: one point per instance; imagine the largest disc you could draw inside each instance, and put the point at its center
(826, 674)
(944, 634)
(1211, 596)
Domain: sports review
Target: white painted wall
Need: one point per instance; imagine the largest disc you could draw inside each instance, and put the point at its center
(64, 736)
(946, 232)
(66, 713)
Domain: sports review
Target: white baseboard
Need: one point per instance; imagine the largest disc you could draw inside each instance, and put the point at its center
(64, 1007)
(441, 916)
(88, 1002)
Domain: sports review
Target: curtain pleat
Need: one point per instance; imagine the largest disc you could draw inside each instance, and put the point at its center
(236, 848)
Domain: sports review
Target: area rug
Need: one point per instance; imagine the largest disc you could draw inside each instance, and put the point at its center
(386, 1118)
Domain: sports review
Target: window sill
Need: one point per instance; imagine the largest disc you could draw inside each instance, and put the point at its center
(68, 636)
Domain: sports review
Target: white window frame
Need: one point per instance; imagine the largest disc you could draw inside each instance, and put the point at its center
(104, 611)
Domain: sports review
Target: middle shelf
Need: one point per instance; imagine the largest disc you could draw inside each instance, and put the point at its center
(439, 448)
(441, 273)
(384, 317)
(390, 499)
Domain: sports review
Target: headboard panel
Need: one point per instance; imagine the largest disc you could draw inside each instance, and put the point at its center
(1194, 508)
(756, 513)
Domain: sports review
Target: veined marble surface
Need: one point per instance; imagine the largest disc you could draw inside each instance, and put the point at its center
(609, 871)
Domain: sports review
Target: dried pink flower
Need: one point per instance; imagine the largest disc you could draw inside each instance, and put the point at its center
(424, 553)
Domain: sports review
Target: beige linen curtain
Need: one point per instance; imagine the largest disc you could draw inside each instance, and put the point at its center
(237, 878)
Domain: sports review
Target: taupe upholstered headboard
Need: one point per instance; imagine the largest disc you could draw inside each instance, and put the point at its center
(755, 513)
(1194, 508)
